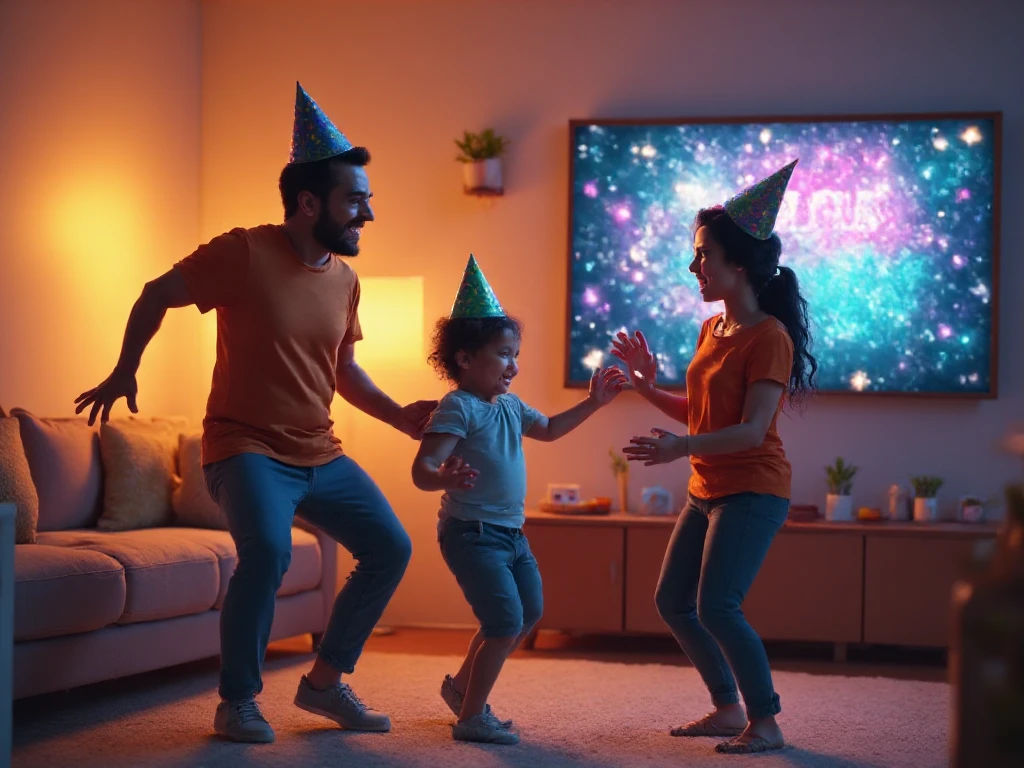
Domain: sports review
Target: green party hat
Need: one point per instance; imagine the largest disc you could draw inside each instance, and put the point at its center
(475, 298)
(314, 136)
(755, 209)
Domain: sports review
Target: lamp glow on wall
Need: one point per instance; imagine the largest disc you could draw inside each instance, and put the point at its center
(391, 315)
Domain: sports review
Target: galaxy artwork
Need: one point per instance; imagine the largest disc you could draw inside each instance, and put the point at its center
(888, 224)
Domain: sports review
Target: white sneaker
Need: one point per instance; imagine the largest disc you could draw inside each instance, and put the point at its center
(484, 728)
(242, 721)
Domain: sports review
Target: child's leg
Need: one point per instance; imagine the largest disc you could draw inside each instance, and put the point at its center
(487, 664)
(479, 556)
(492, 652)
(461, 679)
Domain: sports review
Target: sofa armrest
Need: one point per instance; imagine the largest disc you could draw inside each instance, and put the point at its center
(328, 570)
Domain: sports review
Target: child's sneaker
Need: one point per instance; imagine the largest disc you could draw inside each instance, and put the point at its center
(243, 721)
(340, 704)
(484, 728)
(453, 699)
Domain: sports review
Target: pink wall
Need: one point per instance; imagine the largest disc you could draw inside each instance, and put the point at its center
(406, 77)
(99, 146)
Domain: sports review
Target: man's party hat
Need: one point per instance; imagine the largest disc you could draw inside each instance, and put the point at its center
(314, 136)
(475, 298)
(755, 209)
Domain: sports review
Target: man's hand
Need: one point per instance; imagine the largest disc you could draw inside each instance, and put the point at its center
(660, 449)
(412, 419)
(456, 473)
(605, 384)
(117, 385)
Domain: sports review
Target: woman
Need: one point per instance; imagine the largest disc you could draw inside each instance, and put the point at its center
(750, 359)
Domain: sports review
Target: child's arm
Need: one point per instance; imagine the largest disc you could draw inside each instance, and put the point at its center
(435, 469)
(604, 386)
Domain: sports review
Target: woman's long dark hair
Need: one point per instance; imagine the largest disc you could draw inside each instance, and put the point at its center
(777, 289)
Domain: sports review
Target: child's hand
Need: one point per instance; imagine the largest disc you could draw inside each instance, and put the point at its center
(456, 473)
(605, 384)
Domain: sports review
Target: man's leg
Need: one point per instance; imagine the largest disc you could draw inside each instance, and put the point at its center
(347, 505)
(258, 496)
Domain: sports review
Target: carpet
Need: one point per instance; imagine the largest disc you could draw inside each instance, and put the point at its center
(568, 712)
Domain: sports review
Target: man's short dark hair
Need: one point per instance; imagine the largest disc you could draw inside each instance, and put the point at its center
(316, 177)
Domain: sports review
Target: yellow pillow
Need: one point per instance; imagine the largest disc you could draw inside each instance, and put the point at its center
(16, 482)
(139, 472)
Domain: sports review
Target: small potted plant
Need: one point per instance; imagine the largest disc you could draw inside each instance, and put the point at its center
(926, 506)
(839, 503)
(480, 155)
(620, 468)
(972, 509)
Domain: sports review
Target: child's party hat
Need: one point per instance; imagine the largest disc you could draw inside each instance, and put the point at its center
(475, 298)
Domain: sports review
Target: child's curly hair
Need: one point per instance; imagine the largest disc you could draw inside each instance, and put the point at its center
(466, 334)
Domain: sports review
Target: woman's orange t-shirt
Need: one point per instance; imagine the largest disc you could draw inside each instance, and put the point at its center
(716, 388)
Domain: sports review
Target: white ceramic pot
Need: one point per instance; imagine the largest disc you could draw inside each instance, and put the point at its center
(483, 177)
(838, 509)
(926, 510)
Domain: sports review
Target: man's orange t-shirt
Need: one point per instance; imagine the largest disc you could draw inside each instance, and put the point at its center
(280, 323)
(716, 388)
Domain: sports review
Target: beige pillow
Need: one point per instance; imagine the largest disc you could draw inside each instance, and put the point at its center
(139, 461)
(193, 505)
(16, 482)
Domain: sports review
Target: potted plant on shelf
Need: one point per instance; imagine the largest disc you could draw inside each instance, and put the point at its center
(972, 509)
(926, 506)
(839, 503)
(620, 468)
(480, 155)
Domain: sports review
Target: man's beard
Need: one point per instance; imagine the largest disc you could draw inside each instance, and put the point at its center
(331, 235)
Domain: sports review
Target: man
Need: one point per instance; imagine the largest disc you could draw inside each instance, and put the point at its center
(287, 324)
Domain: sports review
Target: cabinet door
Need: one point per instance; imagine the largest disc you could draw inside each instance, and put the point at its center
(645, 550)
(581, 568)
(809, 587)
(908, 588)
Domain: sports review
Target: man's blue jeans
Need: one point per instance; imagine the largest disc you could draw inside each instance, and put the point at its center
(260, 497)
(716, 550)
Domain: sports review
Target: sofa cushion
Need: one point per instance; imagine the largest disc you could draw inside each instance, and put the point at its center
(64, 458)
(61, 591)
(16, 484)
(166, 575)
(193, 505)
(139, 472)
(303, 573)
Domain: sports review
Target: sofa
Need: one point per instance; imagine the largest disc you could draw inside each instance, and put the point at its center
(122, 559)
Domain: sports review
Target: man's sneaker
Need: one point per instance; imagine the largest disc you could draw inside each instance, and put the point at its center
(484, 728)
(340, 704)
(242, 721)
(453, 699)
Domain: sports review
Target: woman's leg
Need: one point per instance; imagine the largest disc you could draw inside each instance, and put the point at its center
(676, 598)
(741, 530)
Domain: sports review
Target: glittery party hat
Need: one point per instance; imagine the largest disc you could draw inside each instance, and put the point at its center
(314, 136)
(475, 299)
(755, 209)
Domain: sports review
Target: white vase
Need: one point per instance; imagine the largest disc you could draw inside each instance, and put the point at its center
(483, 177)
(838, 509)
(926, 510)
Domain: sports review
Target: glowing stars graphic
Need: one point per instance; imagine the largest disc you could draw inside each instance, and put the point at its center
(590, 189)
(765, 136)
(593, 359)
(859, 381)
(622, 214)
(648, 151)
(940, 143)
(971, 136)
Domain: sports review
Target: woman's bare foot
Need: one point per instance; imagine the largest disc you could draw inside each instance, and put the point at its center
(728, 720)
(761, 735)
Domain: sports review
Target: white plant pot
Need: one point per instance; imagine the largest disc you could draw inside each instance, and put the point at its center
(838, 509)
(483, 177)
(926, 510)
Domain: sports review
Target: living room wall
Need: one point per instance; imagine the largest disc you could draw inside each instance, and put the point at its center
(99, 145)
(405, 78)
